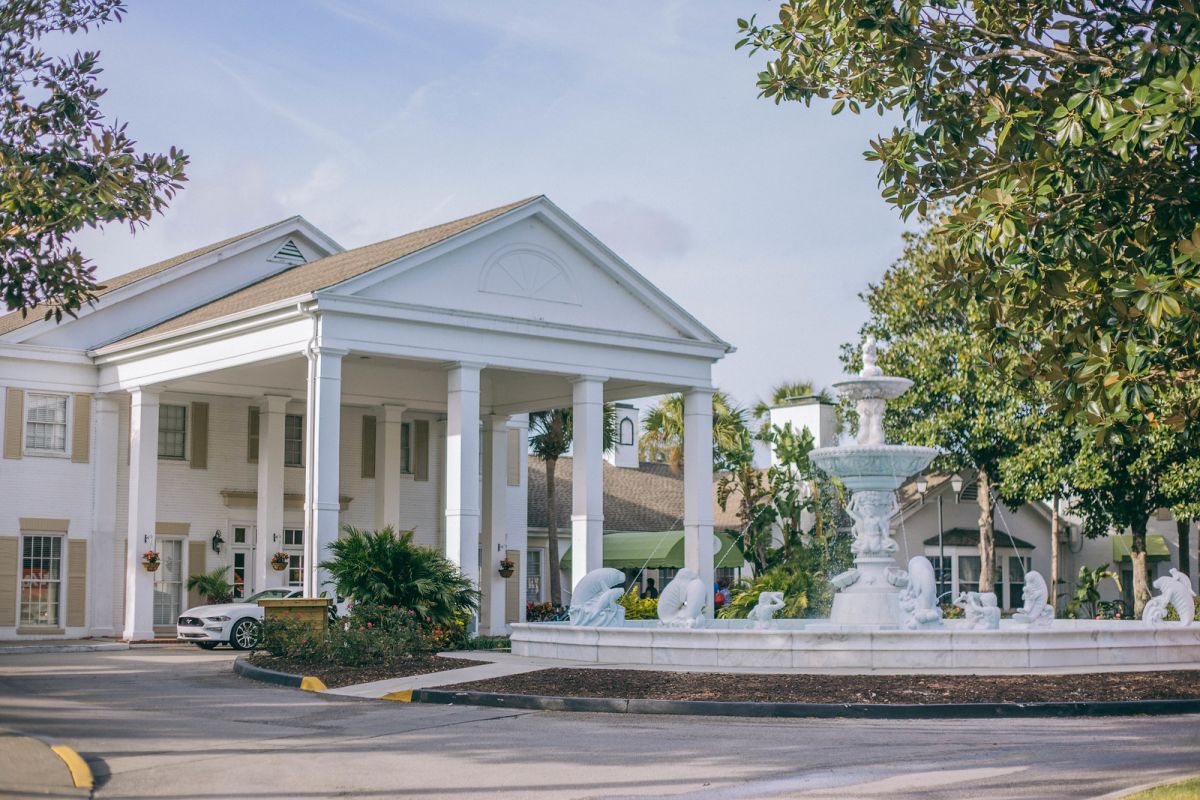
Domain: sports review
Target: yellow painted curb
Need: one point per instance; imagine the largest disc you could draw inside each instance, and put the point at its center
(81, 773)
(401, 697)
(311, 684)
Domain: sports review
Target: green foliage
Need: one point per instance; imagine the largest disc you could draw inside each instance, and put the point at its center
(638, 607)
(63, 166)
(782, 392)
(1173, 615)
(1062, 136)
(382, 568)
(662, 437)
(487, 643)
(213, 585)
(1087, 590)
(544, 612)
(371, 635)
(806, 591)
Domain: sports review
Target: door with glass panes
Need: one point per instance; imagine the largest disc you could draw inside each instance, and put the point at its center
(243, 561)
(293, 545)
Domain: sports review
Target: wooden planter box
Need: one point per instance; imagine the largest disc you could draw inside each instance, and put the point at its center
(312, 611)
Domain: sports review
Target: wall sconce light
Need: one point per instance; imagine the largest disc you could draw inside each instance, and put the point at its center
(922, 485)
(217, 541)
(956, 483)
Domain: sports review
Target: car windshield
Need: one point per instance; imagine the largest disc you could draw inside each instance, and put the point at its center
(268, 594)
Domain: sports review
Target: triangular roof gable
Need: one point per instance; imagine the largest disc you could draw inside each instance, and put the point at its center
(530, 270)
(131, 284)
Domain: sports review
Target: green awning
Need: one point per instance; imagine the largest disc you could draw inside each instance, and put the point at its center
(655, 549)
(1156, 548)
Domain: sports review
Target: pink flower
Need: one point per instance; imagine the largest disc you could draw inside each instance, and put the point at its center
(370, 624)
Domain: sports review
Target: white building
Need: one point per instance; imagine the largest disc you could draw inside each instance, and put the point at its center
(254, 395)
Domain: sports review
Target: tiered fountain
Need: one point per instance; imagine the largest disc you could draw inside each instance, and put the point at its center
(883, 617)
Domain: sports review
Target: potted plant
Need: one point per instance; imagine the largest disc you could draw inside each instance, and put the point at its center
(279, 561)
(506, 568)
(151, 561)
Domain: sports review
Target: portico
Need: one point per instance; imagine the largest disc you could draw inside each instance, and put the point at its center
(405, 375)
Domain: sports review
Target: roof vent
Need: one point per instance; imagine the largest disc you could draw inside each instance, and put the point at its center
(288, 254)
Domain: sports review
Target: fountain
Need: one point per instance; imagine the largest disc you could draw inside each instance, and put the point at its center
(883, 618)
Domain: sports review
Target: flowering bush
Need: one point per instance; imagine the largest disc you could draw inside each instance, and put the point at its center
(639, 607)
(544, 612)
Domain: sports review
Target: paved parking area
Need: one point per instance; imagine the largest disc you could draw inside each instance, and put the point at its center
(176, 723)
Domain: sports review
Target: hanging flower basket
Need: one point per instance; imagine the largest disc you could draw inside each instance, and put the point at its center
(151, 561)
(279, 561)
(506, 568)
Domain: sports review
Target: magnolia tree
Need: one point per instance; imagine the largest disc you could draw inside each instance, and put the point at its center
(64, 166)
(1063, 136)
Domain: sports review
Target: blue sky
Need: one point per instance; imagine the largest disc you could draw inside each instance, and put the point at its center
(372, 118)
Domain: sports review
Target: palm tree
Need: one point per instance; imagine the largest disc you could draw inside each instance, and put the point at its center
(662, 437)
(550, 436)
(212, 585)
(782, 392)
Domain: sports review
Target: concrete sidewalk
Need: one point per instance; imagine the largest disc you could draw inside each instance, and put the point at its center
(24, 646)
(31, 766)
(491, 665)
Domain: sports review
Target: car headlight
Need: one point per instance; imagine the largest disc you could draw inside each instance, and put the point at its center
(217, 619)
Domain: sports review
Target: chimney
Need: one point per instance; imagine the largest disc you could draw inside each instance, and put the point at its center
(808, 412)
(625, 453)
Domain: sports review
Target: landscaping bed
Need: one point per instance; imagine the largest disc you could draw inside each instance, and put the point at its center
(334, 675)
(879, 689)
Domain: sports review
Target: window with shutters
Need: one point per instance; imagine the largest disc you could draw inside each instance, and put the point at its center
(533, 576)
(41, 580)
(168, 582)
(46, 423)
(172, 432)
(406, 448)
(293, 440)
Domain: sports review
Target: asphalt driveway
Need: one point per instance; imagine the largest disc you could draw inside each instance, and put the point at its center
(176, 723)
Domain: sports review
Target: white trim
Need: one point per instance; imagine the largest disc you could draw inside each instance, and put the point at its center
(68, 424)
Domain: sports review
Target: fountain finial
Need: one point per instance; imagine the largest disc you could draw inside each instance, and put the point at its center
(870, 351)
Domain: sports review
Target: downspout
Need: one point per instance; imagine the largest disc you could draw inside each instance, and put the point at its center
(310, 533)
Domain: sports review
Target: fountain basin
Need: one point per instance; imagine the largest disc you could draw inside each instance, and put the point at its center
(820, 646)
(873, 387)
(873, 468)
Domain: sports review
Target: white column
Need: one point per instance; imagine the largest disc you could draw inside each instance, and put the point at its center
(495, 524)
(104, 515)
(697, 483)
(269, 523)
(388, 481)
(462, 468)
(587, 478)
(143, 513)
(324, 467)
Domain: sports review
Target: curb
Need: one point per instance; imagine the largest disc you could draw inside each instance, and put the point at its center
(721, 708)
(308, 683)
(81, 773)
(50, 647)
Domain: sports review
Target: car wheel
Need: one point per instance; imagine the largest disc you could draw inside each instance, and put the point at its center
(206, 645)
(245, 634)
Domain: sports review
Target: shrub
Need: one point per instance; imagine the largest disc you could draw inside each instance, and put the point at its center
(806, 594)
(639, 607)
(488, 643)
(212, 585)
(383, 568)
(372, 634)
(1172, 616)
(544, 612)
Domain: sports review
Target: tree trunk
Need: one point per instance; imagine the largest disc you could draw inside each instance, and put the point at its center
(1055, 555)
(1184, 526)
(552, 534)
(1141, 575)
(987, 543)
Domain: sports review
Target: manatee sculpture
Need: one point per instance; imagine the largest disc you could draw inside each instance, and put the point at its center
(1176, 592)
(594, 600)
(1036, 612)
(918, 598)
(683, 600)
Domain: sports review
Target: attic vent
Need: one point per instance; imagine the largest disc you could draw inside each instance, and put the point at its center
(288, 254)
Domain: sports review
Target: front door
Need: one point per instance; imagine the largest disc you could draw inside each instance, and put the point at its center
(243, 561)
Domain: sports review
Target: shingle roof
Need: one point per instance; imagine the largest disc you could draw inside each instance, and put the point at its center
(324, 272)
(649, 498)
(14, 320)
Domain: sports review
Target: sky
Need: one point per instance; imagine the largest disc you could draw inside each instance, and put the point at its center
(372, 118)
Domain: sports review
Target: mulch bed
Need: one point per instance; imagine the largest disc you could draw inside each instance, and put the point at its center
(334, 676)
(654, 685)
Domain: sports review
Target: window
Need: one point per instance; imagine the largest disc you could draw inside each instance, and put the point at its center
(626, 436)
(41, 580)
(533, 576)
(293, 440)
(943, 574)
(168, 582)
(46, 422)
(968, 574)
(293, 543)
(172, 431)
(1017, 567)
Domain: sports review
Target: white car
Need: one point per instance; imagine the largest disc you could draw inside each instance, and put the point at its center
(237, 624)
